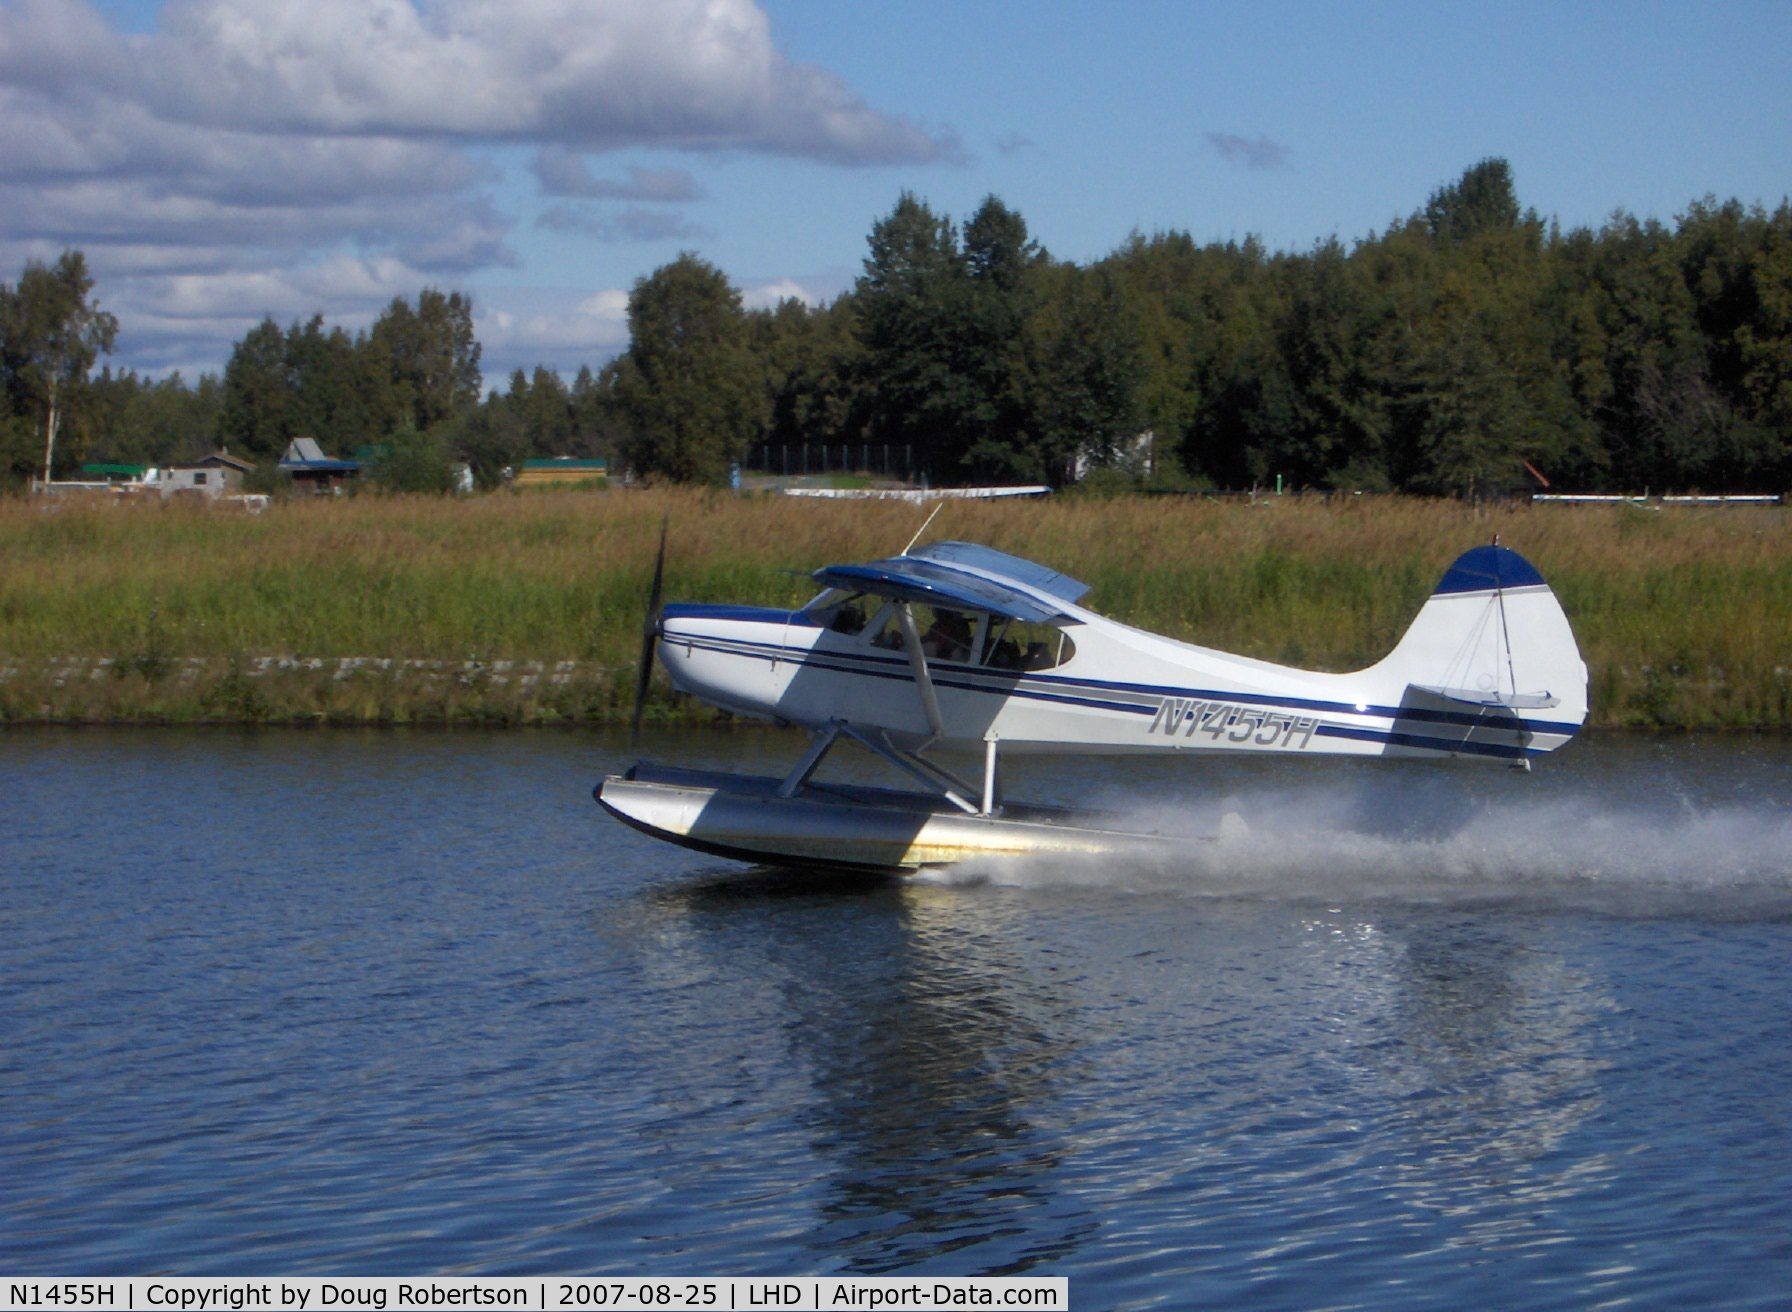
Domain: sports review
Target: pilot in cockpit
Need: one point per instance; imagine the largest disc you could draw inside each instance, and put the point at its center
(949, 637)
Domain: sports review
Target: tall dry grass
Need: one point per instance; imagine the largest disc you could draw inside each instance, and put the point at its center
(1685, 615)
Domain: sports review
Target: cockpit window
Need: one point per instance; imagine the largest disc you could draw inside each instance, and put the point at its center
(1023, 645)
(967, 638)
(946, 635)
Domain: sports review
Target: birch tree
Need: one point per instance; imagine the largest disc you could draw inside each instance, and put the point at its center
(51, 332)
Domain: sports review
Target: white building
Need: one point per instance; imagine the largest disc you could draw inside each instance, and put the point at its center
(216, 475)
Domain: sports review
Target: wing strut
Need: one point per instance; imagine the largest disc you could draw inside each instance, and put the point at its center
(917, 662)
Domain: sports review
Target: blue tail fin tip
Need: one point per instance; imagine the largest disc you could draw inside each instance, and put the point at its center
(1481, 569)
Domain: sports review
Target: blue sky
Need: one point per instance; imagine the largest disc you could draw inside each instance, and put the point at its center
(221, 160)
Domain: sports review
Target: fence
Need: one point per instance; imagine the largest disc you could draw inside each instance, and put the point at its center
(793, 460)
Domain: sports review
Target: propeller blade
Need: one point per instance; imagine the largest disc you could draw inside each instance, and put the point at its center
(650, 633)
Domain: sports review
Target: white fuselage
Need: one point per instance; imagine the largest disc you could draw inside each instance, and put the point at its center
(1118, 689)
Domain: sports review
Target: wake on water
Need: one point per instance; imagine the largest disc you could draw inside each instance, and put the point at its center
(1419, 842)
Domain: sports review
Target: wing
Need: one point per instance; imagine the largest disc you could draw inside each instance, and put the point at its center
(988, 561)
(967, 577)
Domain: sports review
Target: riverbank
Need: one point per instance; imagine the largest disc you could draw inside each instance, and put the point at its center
(527, 608)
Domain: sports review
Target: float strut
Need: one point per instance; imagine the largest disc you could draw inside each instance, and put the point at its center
(989, 775)
(909, 763)
(819, 744)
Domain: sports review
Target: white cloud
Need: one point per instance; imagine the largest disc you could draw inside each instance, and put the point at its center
(523, 327)
(192, 319)
(633, 224)
(769, 295)
(229, 162)
(60, 46)
(591, 74)
(563, 172)
(609, 305)
(88, 166)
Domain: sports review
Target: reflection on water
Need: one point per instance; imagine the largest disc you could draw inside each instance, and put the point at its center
(925, 1043)
(417, 1005)
(1497, 1064)
(969, 1100)
(925, 1061)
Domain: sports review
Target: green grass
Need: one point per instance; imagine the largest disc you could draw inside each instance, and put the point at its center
(1684, 615)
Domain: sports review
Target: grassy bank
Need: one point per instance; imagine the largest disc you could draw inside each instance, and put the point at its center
(528, 608)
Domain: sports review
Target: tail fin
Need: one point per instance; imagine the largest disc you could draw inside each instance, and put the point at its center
(1493, 635)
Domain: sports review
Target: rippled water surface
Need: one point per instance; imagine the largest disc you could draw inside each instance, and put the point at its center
(313, 1003)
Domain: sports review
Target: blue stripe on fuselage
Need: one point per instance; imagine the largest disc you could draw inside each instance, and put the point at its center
(701, 610)
(1075, 691)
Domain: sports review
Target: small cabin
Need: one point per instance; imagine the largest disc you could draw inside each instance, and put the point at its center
(306, 462)
(216, 475)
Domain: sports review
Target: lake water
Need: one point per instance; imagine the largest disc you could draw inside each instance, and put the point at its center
(311, 1003)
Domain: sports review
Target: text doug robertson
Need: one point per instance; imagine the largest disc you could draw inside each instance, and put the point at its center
(238, 1297)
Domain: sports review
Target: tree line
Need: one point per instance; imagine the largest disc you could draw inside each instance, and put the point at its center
(1470, 348)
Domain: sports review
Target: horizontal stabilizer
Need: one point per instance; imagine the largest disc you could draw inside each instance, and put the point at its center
(1480, 697)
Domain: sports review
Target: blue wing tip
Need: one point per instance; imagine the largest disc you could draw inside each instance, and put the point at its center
(1482, 569)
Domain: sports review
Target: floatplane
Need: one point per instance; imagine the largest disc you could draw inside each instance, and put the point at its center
(958, 649)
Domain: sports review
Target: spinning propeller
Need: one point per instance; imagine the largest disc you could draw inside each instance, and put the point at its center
(650, 632)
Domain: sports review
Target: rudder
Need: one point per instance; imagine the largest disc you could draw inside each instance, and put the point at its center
(1493, 635)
